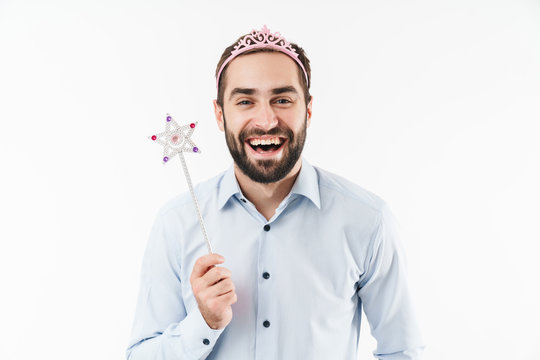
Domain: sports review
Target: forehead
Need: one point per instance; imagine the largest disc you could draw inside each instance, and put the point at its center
(263, 71)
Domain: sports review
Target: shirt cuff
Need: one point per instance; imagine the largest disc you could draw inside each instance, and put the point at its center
(194, 334)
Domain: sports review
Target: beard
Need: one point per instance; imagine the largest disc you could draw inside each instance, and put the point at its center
(271, 170)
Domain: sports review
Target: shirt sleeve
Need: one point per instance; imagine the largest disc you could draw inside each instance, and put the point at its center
(162, 328)
(385, 295)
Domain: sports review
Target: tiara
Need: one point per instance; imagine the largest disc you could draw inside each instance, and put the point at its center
(262, 39)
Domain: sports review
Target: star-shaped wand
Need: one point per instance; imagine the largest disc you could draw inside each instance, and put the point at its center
(176, 139)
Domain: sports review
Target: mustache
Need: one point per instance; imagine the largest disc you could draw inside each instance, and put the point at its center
(277, 131)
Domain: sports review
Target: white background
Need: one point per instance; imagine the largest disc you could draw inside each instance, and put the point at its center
(433, 105)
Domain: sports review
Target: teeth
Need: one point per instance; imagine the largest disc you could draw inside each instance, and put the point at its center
(274, 140)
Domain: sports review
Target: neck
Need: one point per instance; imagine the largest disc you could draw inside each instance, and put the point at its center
(267, 197)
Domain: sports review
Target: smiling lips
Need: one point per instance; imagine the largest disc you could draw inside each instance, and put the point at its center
(267, 145)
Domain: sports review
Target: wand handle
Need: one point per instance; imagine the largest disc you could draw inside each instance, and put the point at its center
(190, 185)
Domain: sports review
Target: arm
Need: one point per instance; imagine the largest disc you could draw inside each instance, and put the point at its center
(385, 295)
(162, 327)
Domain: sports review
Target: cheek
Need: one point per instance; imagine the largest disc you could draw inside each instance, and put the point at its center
(236, 122)
(294, 120)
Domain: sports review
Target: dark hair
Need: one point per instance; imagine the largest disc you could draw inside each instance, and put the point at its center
(301, 56)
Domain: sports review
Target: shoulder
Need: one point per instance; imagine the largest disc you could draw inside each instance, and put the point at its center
(364, 217)
(334, 187)
(352, 205)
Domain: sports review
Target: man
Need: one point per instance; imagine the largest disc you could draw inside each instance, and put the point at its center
(300, 250)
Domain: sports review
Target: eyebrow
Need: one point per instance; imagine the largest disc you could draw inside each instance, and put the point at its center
(284, 89)
(244, 91)
(250, 91)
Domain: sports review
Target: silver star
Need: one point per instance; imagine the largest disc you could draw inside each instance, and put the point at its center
(176, 139)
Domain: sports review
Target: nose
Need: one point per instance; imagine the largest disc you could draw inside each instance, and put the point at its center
(266, 118)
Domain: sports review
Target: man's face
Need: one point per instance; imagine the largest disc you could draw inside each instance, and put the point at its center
(264, 115)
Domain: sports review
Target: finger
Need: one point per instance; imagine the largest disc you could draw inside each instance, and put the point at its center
(219, 289)
(215, 275)
(228, 298)
(219, 304)
(203, 264)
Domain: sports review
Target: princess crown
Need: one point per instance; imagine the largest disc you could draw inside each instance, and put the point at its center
(262, 39)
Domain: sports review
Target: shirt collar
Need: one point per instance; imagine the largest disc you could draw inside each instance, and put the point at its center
(228, 187)
(306, 184)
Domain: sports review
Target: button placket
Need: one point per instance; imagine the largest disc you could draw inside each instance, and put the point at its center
(266, 328)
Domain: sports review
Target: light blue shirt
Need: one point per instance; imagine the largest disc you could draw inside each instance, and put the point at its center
(330, 249)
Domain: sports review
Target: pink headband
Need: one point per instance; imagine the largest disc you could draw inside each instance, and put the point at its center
(262, 39)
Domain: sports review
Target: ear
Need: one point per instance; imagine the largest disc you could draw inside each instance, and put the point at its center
(308, 111)
(218, 112)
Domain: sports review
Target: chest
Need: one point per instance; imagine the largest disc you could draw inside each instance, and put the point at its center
(299, 253)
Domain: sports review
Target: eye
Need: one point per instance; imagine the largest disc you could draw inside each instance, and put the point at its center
(244, 102)
(283, 101)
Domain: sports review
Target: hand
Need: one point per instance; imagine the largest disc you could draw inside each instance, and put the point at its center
(213, 290)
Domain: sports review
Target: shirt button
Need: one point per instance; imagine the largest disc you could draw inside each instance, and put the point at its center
(266, 227)
(266, 323)
(266, 275)
(244, 200)
(206, 342)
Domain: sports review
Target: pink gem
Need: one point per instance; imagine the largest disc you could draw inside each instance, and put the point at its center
(154, 137)
(192, 125)
(169, 118)
(175, 138)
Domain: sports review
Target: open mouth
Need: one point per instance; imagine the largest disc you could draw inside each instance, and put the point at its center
(266, 145)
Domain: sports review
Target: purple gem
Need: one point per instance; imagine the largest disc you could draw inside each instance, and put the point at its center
(169, 118)
(195, 149)
(165, 159)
